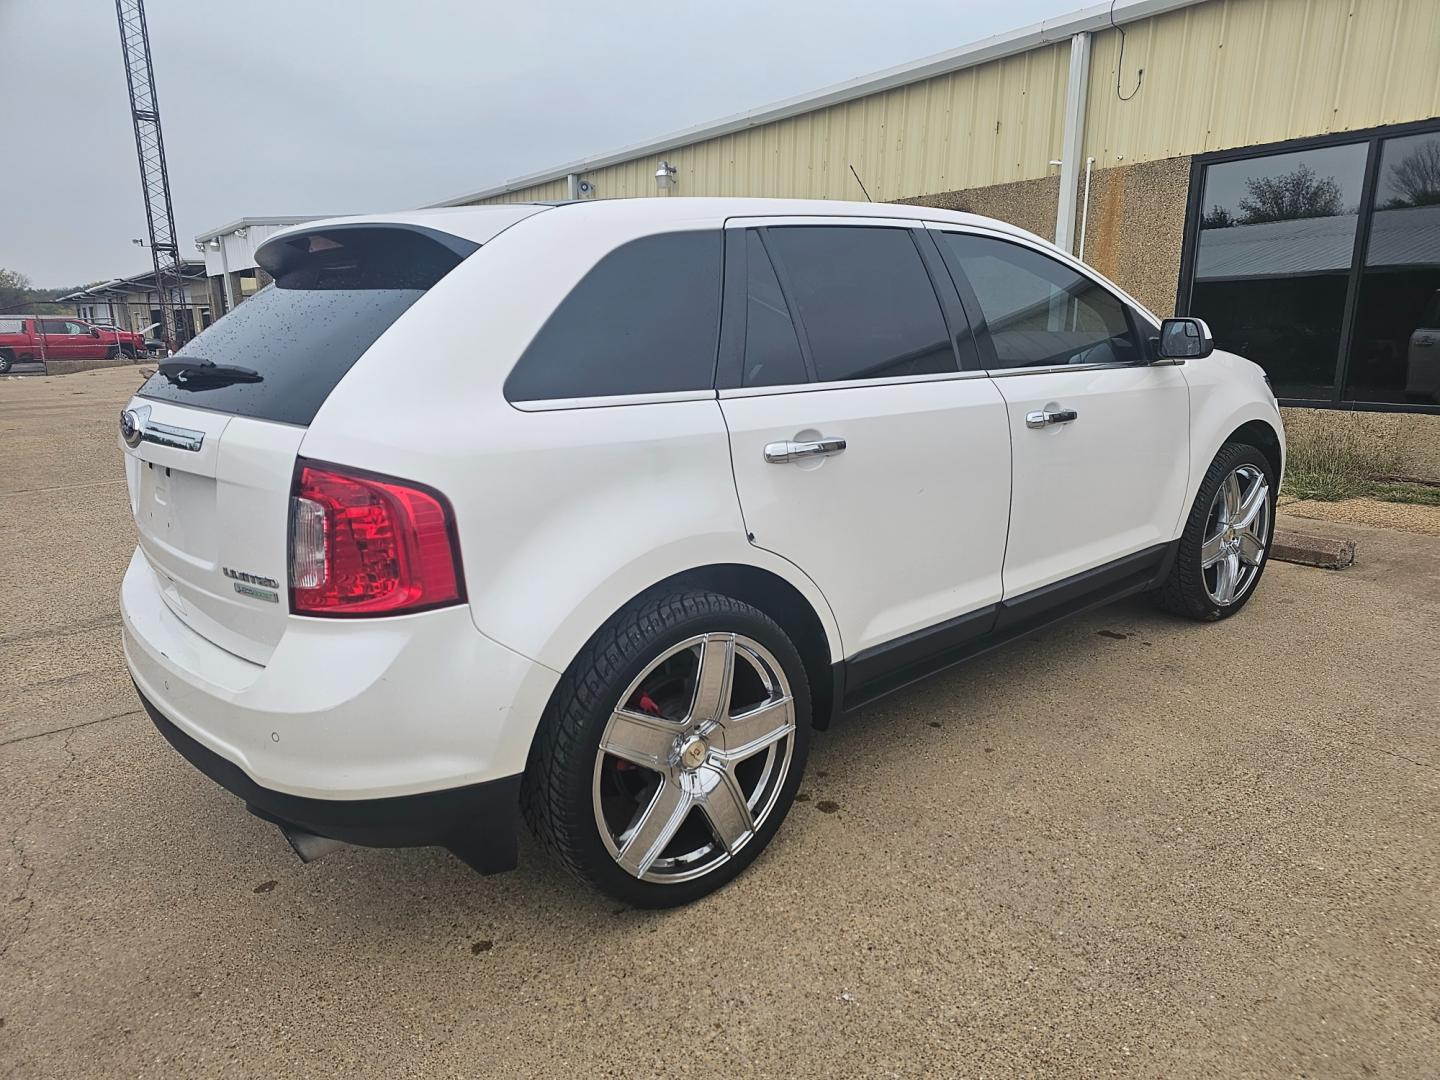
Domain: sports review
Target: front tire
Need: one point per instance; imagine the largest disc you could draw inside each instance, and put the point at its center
(1226, 542)
(671, 749)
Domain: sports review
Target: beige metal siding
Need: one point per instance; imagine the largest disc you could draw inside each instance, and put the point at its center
(996, 122)
(1244, 72)
(1220, 74)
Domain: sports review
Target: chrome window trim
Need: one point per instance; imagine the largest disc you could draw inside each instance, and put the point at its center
(1053, 369)
(663, 397)
(850, 384)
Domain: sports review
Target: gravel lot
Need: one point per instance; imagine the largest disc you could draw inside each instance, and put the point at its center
(1130, 846)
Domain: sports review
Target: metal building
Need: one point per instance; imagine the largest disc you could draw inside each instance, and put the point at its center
(1270, 165)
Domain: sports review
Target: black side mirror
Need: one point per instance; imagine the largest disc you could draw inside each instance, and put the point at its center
(1185, 339)
(94, 332)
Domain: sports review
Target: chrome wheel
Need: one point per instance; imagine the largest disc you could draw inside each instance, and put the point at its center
(694, 757)
(1236, 532)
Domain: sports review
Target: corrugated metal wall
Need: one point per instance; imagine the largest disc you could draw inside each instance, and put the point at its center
(1243, 72)
(1219, 74)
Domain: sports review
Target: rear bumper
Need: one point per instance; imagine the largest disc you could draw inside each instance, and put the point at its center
(477, 822)
(343, 709)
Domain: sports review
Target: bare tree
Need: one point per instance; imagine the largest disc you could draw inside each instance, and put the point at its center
(1296, 194)
(1217, 217)
(1416, 177)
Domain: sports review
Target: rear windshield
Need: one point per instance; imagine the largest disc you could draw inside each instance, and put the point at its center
(278, 355)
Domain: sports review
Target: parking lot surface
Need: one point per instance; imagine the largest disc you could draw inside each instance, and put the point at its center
(1129, 846)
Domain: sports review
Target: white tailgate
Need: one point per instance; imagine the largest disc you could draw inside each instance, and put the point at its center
(213, 521)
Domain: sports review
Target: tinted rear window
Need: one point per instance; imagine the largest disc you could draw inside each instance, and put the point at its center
(335, 292)
(644, 320)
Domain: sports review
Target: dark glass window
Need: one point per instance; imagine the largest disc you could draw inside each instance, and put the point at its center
(334, 294)
(865, 299)
(1395, 348)
(1039, 311)
(772, 351)
(54, 326)
(644, 320)
(1276, 242)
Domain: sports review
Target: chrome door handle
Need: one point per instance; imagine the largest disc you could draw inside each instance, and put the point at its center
(1043, 419)
(778, 453)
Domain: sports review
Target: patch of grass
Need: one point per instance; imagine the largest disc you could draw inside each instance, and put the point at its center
(1336, 455)
(1415, 494)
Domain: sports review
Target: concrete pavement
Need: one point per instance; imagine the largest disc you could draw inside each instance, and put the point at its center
(1128, 846)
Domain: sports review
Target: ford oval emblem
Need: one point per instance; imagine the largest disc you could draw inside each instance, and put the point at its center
(132, 427)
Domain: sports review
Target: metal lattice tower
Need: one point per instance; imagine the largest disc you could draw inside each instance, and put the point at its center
(154, 179)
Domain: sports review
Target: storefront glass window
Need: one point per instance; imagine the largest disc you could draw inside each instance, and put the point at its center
(1276, 244)
(1395, 348)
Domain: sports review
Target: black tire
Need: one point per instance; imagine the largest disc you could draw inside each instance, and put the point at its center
(5, 362)
(1185, 591)
(112, 353)
(559, 794)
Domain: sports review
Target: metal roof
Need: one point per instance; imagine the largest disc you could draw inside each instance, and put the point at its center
(998, 46)
(247, 222)
(1403, 237)
(192, 270)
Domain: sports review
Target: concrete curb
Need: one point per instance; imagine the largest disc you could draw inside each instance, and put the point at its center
(1306, 550)
(71, 367)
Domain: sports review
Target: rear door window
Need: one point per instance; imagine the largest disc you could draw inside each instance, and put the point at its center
(278, 355)
(644, 320)
(865, 300)
(772, 348)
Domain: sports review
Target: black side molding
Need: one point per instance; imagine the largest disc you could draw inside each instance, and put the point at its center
(876, 672)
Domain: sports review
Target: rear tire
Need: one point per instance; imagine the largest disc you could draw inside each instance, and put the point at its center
(1226, 542)
(5, 362)
(702, 707)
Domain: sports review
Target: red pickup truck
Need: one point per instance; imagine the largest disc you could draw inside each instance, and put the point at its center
(21, 338)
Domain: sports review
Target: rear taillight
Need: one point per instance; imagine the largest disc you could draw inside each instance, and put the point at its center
(362, 544)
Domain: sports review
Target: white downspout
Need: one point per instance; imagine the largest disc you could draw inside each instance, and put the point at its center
(1085, 208)
(1077, 84)
(572, 186)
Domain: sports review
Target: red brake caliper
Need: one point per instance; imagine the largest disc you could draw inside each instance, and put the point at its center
(646, 704)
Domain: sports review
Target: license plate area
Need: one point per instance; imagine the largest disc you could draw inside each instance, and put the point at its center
(176, 511)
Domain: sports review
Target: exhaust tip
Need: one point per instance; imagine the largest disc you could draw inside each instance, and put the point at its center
(309, 846)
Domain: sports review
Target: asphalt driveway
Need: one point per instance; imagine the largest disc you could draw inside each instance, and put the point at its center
(1128, 846)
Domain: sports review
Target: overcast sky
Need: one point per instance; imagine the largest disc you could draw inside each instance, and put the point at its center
(277, 107)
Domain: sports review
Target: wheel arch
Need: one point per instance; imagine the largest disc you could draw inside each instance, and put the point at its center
(783, 602)
(1263, 437)
(815, 639)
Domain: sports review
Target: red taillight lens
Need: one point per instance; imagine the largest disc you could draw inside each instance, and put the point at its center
(368, 545)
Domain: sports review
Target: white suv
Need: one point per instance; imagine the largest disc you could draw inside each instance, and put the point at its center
(594, 511)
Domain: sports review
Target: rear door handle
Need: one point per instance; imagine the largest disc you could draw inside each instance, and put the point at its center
(778, 453)
(1043, 419)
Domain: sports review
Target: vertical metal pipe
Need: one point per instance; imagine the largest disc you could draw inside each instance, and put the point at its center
(1076, 87)
(572, 186)
(1085, 208)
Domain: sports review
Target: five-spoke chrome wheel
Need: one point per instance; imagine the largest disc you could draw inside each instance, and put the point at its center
(1236, 533)
(693, 758)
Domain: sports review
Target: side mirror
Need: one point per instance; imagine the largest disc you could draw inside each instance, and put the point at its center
(1185, 339)
(94, 333)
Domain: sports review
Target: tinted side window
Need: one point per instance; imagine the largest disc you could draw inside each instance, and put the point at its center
(644, 320)
(1041, 312)
(772, 351)
(53, 326)
(865, 298)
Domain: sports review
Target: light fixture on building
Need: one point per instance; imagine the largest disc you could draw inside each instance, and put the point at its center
(242, 232)
(665, 178)
(214, 243)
